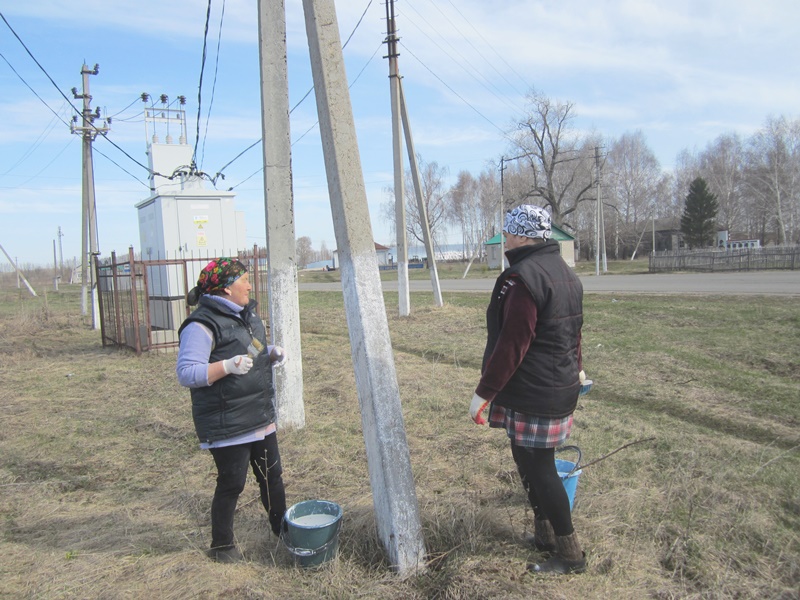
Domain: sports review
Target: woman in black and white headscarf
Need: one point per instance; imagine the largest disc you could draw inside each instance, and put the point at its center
(532, 373)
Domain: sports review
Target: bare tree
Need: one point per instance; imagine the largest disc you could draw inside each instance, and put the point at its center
(305, 253)
(721, 165)
(772, 174)
(558, 160)
(434, 192)
(634, 182)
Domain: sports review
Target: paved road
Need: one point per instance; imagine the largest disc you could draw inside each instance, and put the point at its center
(771, 283)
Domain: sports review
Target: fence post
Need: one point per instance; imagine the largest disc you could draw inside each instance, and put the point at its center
(117, 308)
(99, 297)
(135, 304)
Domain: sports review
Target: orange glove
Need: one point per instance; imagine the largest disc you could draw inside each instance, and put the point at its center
(476, 408)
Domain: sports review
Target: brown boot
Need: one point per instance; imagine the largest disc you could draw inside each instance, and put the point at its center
(569, 558)
(543, 538)
(227, 554)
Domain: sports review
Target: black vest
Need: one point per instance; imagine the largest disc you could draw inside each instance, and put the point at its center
(546, 382)
(235, 404)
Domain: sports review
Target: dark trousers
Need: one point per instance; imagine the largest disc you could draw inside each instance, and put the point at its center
(546, 493)
(232, 463)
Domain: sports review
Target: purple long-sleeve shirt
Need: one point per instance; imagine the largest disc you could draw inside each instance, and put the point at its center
(196, 344)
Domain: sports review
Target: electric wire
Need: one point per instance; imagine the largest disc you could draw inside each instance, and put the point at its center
(214, 84)
(258, 141)
(29, 87)
(464, 63)
(492, 48)
(32, 148)
(43, 169)
(122, 168)
(464, 100)
(114, 116)
(200, 85)
(38, 64)
(307, 131)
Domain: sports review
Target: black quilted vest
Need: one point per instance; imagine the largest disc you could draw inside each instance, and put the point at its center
(546, 382)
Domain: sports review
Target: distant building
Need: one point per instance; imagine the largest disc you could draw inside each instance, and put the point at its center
(565, 241)
(381, 252)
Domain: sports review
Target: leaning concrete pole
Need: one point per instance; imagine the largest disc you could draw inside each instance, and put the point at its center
(423, 212)
(393, 493)
(284, 307)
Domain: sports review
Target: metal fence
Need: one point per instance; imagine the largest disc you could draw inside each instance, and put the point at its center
(744, 259)
(142, 303)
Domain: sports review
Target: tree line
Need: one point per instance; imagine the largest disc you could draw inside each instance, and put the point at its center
(549, 162)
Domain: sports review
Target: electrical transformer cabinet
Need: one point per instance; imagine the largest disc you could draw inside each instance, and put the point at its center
(197, 224)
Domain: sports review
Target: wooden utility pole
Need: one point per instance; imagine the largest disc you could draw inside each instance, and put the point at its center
(284, 305)
(388, 459)
(89, 248)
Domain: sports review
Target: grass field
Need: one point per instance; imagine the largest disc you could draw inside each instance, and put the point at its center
(104, 492)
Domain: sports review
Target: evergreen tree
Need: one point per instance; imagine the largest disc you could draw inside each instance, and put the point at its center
(698, 222)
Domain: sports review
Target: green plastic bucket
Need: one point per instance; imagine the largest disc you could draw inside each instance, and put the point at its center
(312, 531)
(569, 472)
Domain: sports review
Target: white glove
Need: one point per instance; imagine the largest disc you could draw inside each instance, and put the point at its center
(582, 376)
(476, 407)
(278, 356)
(238, 365)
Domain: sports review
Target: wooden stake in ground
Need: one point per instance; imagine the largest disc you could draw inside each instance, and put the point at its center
(388, 459)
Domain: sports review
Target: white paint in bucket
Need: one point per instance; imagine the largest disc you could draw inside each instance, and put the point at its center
(318, 520)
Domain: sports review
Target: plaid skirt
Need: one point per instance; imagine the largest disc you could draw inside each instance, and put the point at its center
(529, 431)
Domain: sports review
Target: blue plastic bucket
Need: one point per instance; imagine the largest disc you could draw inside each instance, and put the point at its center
(569, 473)
(312, 531)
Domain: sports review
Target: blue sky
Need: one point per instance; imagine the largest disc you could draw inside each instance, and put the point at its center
(682, 72)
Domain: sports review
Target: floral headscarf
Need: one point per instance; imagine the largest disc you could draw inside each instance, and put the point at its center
(219, 274)
(528, 220)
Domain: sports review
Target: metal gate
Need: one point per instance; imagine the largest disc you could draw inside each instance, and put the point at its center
(142, 303)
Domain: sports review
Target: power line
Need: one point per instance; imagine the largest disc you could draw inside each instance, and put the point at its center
(214, 84)
(480, 114)
(307, 131)
(31, 89)
(469, 67)
(254, 144)
(38, 64)
(200, 85)
(499, 55)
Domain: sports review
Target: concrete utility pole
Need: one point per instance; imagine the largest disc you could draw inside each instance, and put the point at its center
(399, 182)
(60, 253)
(423, 212)
(284, 306)
(600, 227)
(389, 462)
(14, 264)
(502, 213)
(89, 248)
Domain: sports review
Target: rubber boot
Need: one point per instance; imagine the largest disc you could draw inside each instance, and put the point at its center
(543, 538)
(227, 555)
(569, 558)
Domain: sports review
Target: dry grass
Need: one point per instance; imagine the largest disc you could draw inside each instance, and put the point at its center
(104, 493)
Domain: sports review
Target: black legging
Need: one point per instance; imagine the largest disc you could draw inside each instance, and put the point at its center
(546, 493)
(232, 463)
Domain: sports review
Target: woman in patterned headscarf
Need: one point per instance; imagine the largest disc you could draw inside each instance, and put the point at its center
(531, 374)
(233, 396)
